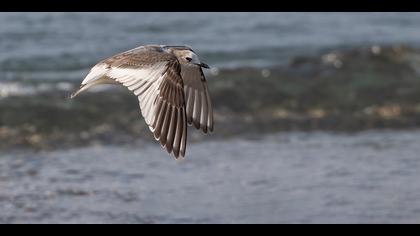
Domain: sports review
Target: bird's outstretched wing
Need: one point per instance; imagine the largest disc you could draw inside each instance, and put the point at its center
(154, 77)
(198, 103)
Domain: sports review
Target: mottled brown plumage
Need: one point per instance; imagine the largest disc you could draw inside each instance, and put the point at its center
(171, 89)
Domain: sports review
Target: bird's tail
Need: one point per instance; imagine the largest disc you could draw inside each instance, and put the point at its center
(101, 80)
(96, 76)
(81, 89)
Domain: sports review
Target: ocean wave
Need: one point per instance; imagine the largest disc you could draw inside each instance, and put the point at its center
(341, 90)
(14, 89)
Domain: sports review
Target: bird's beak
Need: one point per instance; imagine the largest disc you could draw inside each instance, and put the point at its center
(204, 65)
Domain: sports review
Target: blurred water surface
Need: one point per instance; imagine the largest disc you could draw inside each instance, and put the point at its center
(370, 177)
(64, 45)
(228, 177)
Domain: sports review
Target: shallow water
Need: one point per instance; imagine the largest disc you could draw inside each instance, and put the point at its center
(368, 177)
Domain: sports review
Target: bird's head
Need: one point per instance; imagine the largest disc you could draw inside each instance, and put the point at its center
(187, 56)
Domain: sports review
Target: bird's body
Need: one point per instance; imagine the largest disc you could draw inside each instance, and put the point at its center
(170, 86)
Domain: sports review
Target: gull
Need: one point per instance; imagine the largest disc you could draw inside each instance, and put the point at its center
(171, 88)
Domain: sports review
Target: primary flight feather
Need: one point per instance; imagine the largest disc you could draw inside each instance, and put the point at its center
(170, 85)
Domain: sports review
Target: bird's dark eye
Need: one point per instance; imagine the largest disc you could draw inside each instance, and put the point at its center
(188, 58)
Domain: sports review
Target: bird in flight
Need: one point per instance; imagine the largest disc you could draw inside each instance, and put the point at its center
(170, 85)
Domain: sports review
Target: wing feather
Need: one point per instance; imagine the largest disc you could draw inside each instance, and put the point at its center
(154, 77)
(199, 109)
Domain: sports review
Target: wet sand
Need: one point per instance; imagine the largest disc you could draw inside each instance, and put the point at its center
(297, 177)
